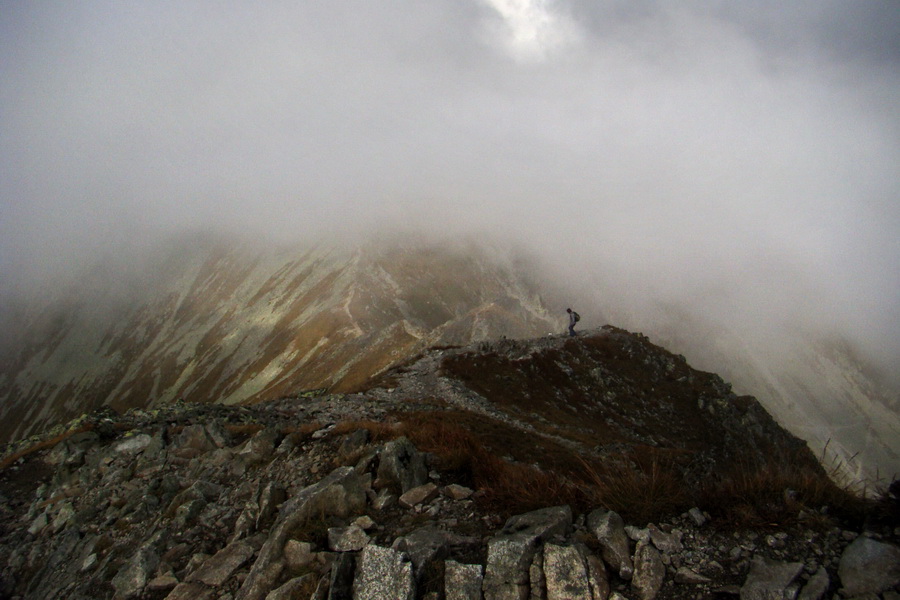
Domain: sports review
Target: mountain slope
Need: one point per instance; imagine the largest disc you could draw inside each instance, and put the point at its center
(423, 467)
(213, 321)
(231, 325)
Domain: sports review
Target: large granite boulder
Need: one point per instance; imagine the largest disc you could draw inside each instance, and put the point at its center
(869, 567)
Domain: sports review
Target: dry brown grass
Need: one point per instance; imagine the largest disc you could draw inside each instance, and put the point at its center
(304, 429)
(505, 486)
(651, 490)
(8, 460)
(379, 432)
(517, 471)
(777, 491)
(243, 429)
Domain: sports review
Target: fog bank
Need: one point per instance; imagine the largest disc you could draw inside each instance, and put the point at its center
(737, 163)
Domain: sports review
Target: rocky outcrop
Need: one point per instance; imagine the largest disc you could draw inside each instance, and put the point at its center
(163, 516)
(320, 496)
(769, 580)
(869, 567)
(383, 574)
(609, 528)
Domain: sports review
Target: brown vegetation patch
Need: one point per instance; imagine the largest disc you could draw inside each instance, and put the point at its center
(595, 390)
(373, 358)
(650, 490)
(777, 491)
(243, 429)
(9, 459)
(514, 471)
(379, 432)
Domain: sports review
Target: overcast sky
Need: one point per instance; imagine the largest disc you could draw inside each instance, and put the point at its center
(748, 151)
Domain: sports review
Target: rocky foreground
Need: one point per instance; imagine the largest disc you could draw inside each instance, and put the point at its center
(321, 496)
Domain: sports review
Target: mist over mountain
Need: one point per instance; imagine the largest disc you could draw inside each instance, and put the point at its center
(212, 321)
(216, 321)
(719, 177)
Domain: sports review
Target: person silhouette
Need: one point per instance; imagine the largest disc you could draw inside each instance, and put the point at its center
(574, 317)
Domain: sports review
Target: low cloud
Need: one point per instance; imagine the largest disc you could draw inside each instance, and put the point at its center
(741, 163)
(530, 30)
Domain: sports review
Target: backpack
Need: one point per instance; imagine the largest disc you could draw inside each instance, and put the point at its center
(577, 316)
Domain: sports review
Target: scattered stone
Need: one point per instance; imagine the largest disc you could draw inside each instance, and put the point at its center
(383, 499)
(816, 587)
(697, 516)
(565, 572)
(419, 495)
(543, 524)
(609, 529)
(271, 497)
(347, 539)
(457, 492)
(364, 522)
(689, 576)
(508, 560)
(89, 562)
(383, 574)
(130, 581)
(191, 591)
(162, 583)
(297, 555)
(218, 568)
(598, 577)
(637, 534)
(425, 546)
(670, 543)
(511, 551)
(343, 571)
(401, 466)
(768, 579)
(39, 523)
(354, 442)
(260, 447)
(341, 493)
(649, 572)
(293, 588)
(193, 441)
(112, 494)
(218, 434)
(462, 582)
(133, 444)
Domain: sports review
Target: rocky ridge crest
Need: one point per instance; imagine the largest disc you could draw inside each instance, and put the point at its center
(342, 496)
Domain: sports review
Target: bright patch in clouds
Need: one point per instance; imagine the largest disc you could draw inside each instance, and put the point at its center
(530, 30)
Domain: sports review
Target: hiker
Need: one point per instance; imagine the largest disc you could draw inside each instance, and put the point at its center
(574, 317)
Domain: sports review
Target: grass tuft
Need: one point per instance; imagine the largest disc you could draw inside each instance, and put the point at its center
(649, 491)
(780, 490)
(505, 486)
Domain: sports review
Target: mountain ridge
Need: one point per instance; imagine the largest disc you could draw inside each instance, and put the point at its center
(520, 459)
(213, 321)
